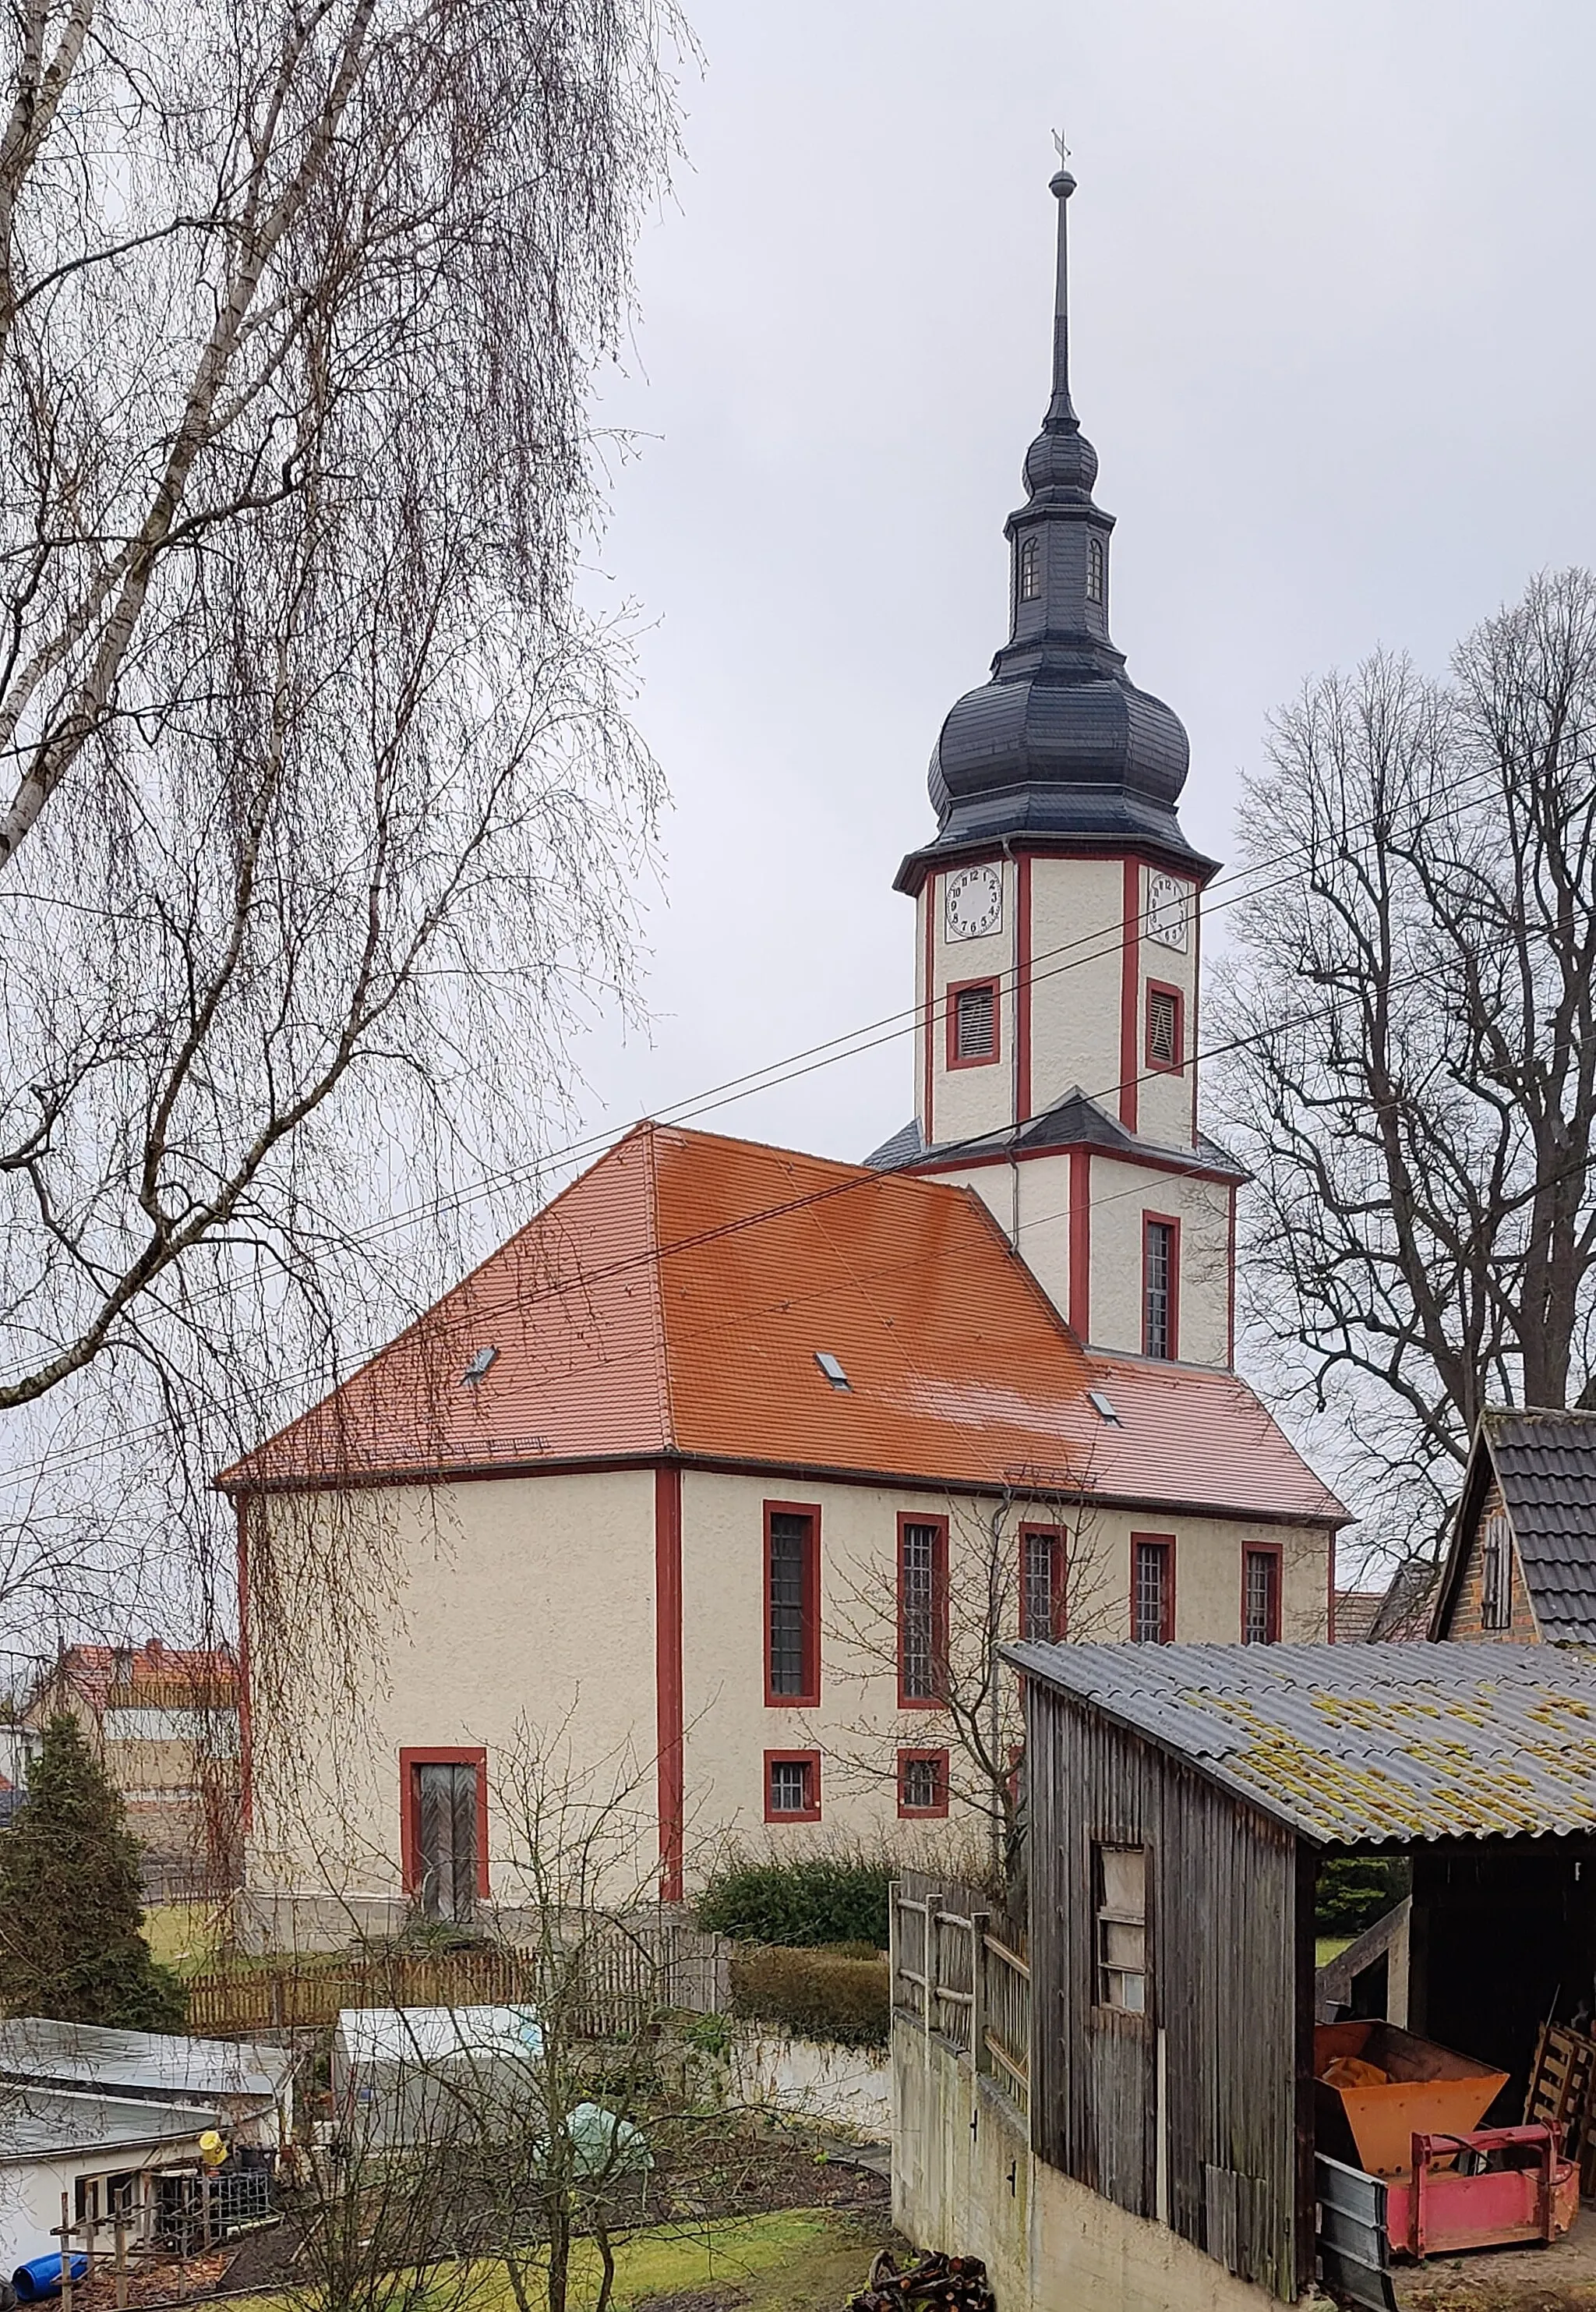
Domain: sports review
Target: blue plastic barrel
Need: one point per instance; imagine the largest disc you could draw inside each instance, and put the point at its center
(42, 2277)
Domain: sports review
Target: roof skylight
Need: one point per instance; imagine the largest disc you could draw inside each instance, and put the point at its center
(479, 1364)
(831, 1368)
(1104, 1406)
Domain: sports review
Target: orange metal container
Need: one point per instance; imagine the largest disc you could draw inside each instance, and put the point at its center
(1430, 2091)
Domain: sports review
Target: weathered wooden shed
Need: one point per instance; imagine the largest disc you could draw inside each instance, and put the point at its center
(1182, 1799)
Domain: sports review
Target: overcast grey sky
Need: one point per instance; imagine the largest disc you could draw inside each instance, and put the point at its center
(1332, 335)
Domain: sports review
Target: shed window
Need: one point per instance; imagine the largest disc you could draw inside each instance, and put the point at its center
(922, 1608)
(1496, 1587)
(1121, 1893)
(973, 1023)
(1030, 567)
(1152, 1588)
(1260, 1598)
(1096, 570)
(1042, 1583)
(792, 1602)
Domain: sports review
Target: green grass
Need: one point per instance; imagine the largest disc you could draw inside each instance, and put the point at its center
(809, 2260)
(1330, 1947)
(184, 1935)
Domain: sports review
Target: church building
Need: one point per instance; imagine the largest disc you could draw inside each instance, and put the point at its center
(727, 1474)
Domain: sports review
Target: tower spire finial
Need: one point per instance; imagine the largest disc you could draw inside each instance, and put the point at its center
(1061, 410)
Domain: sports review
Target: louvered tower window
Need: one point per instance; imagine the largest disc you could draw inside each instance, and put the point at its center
(1096, 570)
(1164, 1028)
(1030, 568)
(975, 1022)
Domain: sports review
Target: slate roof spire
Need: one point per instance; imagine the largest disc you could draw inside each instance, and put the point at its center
(1059, 744)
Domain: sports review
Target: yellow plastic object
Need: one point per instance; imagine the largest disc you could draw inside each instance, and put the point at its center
(213, 2152)
(1429, 2091)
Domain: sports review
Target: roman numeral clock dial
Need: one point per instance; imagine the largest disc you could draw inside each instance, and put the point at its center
(973, 905)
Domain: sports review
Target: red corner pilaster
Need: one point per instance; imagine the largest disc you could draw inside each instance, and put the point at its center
(668, 1675)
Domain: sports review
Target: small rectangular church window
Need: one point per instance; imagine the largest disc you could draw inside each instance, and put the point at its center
(1042, 1583)
(1164, 1028)
(1152, 1588)
(1160, 1287)
(1260, 1598)
(973, 1023)
(793, 1605)
(1495, 1586)
(792, 1786)
(922, 1782)
(922, 1609)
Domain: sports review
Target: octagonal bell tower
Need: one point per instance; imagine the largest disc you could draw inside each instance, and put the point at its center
(1056, 942)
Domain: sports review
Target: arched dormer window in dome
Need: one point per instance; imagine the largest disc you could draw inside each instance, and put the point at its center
(1097, 571)
(1029, 582)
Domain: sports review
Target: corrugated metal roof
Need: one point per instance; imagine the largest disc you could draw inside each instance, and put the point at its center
(674, 1299)
(1362, 1744)
(138, 2062)
(46, 2122)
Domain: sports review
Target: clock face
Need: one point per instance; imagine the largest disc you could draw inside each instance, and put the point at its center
(975, 903)
(1167, 911)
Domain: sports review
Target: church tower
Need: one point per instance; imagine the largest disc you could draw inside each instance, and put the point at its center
(1057, 943)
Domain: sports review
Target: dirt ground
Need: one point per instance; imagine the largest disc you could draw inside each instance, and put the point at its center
(1561, 2278)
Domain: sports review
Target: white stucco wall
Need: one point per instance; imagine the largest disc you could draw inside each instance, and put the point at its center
(1077, 909)
(533, 1618)
(967, 1100)
(1122, 1195)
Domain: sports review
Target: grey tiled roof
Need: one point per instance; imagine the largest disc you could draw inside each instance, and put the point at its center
(1073, 1121)
(1363, 1744)
(1546, 1465)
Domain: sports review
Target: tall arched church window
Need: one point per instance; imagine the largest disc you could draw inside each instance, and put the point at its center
(1096, 570)
(1030, 567)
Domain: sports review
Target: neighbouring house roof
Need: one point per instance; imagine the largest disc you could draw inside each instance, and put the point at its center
(1544, 1463)
(154, 1675)
(1353, 1745)
(1355, 1615)
(47, 2124)
(674, 1299)
(139, 2063)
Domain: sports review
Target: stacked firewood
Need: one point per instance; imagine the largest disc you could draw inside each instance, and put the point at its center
(939, 2284)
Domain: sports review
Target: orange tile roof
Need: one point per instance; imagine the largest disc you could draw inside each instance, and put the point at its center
(152, 1672)
(673, 1299)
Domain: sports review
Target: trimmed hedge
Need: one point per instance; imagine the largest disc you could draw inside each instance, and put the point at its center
(815, 1994)
(800, 1904)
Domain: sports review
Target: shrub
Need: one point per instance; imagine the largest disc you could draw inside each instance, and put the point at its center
(815, 1994)
(1356, 1890)
(802, 1905)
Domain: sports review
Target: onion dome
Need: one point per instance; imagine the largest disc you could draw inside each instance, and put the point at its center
(1059, 747)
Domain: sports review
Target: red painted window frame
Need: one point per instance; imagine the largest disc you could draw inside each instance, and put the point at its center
(1059, 1616)
(937, 1812)
(1275, 1551)
(1166, 1543)
(938, 1609)
(1177, 1067)
(809, 1699)
(809, 1758)
(1170, 1220)
(958, 988)
(439, 1755)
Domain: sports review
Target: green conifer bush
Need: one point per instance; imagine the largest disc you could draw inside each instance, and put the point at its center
(70, 1909)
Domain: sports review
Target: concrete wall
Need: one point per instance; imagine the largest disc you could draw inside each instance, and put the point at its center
(965, 2181)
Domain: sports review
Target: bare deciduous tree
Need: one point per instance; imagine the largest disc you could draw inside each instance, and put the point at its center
(321, 813)
(1417, 1088)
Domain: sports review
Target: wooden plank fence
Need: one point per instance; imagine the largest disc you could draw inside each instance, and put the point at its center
(953, 1978)
(621, 1980)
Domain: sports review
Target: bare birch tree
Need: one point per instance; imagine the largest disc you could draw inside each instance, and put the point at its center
(320, 812)
(1415, 1090)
